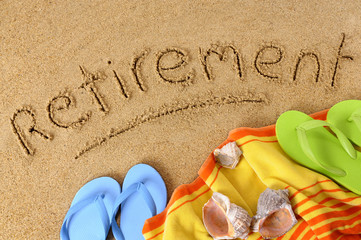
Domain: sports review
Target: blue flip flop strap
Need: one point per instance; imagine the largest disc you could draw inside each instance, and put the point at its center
(303, 140)
(356, 118)
(136, 187)
(64, 234)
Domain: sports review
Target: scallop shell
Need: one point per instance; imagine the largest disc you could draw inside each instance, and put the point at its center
(229, 155)
(225, 220)
(274, 215)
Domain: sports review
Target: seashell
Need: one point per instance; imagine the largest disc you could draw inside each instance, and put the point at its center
(225, 220)
(229, 155)
(274, 215)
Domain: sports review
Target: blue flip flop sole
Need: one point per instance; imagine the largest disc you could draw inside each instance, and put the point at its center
(134, 211)
(86, 223)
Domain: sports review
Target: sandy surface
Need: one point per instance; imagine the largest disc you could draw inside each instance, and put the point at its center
(91, 88)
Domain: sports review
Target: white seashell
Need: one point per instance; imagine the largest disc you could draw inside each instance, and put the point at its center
(225, 220)
(274, 215)
(229, 155)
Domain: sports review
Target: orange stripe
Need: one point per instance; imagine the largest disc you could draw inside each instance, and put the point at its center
(342, 200)
(181, 191)
(342, 231)
(318, 206)
(252, 140)
(148, 227)
(239, 133)
(159, 219)
(299, 230)
(220, 167)
(333, 214)
(309, 234)
(337, 223)
(339, 235)
(300, 190)
(156, 235)
(315, 195)
(352, 237)
(199, 194)
(207, 167)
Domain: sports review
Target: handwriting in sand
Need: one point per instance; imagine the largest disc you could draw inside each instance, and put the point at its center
(266, 62)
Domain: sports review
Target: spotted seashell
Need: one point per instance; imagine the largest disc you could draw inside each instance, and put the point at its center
(274, 216)
(225, 220)
(229, 155)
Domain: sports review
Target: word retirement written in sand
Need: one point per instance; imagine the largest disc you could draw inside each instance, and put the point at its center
(170, 67)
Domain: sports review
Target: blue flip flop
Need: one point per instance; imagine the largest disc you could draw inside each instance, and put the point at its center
(89, 216)
(144, 195)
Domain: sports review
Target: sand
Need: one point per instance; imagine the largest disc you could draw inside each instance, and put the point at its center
(91, 88)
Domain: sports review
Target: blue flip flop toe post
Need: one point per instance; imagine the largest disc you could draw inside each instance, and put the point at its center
(144, 195)
(89, 216)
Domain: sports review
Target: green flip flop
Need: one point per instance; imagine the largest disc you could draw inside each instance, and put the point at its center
(307, 142)
(346, 116)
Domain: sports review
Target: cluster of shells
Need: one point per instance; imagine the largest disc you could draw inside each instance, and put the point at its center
(226, 220)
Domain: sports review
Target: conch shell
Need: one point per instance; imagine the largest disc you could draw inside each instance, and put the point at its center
(225, 220)
(229, 155)
(274, 214)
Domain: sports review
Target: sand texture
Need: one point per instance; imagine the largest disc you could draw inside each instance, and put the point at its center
(91, 88)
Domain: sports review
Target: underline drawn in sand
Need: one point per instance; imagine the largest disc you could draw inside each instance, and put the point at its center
(171, 110)
(171, 67)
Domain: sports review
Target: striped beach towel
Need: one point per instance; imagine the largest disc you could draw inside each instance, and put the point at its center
(324, 209)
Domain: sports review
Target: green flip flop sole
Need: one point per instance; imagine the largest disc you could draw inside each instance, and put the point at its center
(308, 143)
(346, 116)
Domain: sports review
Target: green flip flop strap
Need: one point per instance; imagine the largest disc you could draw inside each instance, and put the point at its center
(303, 140)
(356, 118)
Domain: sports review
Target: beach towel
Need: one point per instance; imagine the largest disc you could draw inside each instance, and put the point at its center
(324, 210)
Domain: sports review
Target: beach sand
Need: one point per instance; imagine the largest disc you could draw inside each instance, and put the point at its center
(91, 88)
